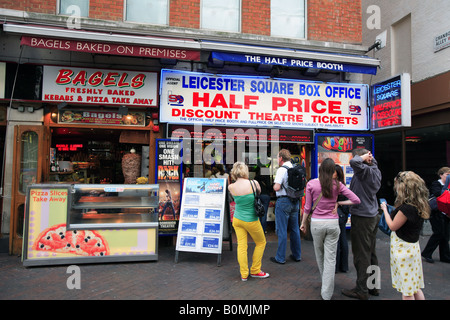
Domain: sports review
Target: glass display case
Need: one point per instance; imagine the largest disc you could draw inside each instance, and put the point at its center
(79, 223)
(101, 206)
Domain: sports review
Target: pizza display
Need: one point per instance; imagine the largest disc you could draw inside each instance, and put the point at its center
(80, 242)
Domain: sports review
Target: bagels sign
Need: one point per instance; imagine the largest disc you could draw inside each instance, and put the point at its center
(99, 86)
(199, 98)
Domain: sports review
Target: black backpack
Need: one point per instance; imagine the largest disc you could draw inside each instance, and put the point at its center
(296, 181)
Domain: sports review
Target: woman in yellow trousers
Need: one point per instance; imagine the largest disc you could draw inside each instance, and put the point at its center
(245, 221)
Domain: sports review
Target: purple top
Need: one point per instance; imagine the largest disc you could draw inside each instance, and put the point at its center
(324, 209)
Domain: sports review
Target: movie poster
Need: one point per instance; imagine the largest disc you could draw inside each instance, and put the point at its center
(339, 148)
(168, 176)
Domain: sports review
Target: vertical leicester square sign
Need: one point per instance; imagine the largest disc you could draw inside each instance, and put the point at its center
(100, 86)
(391, 103)
(224, 100)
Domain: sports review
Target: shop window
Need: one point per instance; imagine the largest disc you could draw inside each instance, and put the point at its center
(25, 79)
(427, 150)
(388, 153)
(221, 15)
(77, 8)
(287, 18)
(29, 160)
(147, 11)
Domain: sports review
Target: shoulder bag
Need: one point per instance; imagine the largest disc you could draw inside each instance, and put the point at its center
(259, 207)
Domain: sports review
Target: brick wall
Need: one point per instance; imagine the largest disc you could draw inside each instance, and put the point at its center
(106, 9)
(256, 17)
(335, 21)
(184, 13)
(328, 20)
(37, 6)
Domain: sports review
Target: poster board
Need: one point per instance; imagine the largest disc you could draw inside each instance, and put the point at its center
(168, 176)
(339, 146)
(202, 213)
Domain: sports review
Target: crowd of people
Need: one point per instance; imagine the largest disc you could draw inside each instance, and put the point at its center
(327, 204)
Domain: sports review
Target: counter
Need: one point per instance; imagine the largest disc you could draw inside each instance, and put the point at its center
(95, 223)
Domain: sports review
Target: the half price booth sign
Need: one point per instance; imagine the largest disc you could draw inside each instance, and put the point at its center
(100, 86)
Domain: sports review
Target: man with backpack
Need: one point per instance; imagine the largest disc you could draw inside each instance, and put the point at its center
(288, 184)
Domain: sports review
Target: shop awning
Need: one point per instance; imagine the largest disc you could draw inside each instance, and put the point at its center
(105, 43)
(303, 59)
(187, 49)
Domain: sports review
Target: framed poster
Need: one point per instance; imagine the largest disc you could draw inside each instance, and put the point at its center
(339, 147)
(202, 215)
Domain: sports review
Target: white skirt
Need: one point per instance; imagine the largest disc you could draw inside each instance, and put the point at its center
(406, 266)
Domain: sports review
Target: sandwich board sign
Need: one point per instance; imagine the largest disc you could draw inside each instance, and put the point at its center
(202, 212)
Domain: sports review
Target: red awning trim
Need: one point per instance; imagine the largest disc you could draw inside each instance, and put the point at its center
(110, 48)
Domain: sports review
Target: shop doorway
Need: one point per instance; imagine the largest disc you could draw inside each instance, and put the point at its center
(94, 155)
(30, 147)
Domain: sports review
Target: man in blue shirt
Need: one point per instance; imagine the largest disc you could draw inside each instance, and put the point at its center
(286, 213)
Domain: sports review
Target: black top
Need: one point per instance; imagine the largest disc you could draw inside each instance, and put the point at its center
(410, 231)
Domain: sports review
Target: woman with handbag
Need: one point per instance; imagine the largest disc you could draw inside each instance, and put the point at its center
(439, 223)
(245, 221)
(406, 222)
(323, 193)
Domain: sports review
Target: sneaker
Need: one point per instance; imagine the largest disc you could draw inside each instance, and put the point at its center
(261, 275)
(244, 279)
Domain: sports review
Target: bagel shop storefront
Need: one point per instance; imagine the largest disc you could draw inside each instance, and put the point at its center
(227, 118)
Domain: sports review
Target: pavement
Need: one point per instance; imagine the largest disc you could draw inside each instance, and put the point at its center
(196, 277)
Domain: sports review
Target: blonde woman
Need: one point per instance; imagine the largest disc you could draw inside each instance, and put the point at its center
(406, 222)
(245, 221)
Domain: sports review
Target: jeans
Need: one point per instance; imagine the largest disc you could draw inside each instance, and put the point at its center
(265, 199)
(325, 233)
(286, 216)
(256, 232)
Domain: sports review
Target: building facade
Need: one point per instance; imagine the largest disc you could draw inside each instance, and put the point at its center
(415, 40)
(71, 72)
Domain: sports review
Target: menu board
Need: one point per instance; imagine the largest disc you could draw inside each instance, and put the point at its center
(200, 227)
